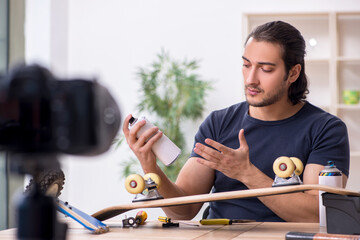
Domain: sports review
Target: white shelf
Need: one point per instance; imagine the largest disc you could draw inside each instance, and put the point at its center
(351, 60)
(316, 60)
(348, 106)
(355, 154)
(348, 35)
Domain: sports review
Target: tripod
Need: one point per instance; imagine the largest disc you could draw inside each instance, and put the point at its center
(36, 212)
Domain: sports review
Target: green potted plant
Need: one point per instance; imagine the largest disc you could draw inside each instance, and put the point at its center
(171, 92)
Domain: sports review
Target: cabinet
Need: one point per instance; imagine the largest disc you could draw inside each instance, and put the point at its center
(332, 66)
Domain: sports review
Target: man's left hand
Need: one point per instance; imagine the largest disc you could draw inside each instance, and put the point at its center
(234, 163)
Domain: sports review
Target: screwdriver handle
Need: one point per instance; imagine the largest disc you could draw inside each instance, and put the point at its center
(218, 221)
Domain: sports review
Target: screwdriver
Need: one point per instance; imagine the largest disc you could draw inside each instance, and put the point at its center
(223, 221)
(141, 217)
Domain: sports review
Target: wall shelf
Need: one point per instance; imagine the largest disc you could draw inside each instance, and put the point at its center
(349, 107)
(355, 154)
(352, 60)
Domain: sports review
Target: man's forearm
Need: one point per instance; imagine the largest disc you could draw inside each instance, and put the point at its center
(168, 189)
(295, 207)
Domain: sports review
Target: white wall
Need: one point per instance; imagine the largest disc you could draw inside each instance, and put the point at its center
(110, 39)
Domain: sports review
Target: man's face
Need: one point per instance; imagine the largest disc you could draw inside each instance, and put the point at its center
(264, 74)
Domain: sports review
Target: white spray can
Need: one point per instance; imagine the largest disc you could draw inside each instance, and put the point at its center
(165, 150)
(329, 176)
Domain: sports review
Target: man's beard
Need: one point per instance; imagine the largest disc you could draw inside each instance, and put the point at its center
(269, 99)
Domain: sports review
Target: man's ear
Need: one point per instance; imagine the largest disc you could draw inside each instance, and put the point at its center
(294, 73)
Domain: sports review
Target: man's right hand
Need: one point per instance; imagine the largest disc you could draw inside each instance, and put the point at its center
(142, 145)
(193, 179)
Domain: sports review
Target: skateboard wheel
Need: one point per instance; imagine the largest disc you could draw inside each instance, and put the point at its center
(154, 177)
(299, 166)
(283, 167)
(134, 184)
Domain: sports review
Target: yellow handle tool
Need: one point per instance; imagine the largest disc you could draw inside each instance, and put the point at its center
(164, 219)
(141, 217)
(223, 221)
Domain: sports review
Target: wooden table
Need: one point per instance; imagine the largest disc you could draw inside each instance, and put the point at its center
(186, 230)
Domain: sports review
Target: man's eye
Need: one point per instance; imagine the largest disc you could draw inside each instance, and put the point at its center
(266, 70)
(246, 65)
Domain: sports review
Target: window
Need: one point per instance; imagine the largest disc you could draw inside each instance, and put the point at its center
(4, 10)
(3, 36)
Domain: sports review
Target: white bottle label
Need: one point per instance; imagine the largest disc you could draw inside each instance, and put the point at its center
(165, 150)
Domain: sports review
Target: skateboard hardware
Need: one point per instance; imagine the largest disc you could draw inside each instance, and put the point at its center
(170, 224)
(287, 171)
(139, 219)
(145, 188)
(167, 222)
(129, 222)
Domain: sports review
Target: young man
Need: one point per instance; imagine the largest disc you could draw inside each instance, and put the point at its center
(235, 147)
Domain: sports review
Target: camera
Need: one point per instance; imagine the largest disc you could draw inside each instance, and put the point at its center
(42, 114)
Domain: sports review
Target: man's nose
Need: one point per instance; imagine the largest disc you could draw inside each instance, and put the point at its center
(252, 77)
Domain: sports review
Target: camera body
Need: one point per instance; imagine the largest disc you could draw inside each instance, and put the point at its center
(42, 114)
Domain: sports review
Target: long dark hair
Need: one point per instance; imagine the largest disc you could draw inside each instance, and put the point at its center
(293, 45)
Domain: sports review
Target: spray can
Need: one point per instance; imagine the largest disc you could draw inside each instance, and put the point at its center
(329, 176)
(165, 150)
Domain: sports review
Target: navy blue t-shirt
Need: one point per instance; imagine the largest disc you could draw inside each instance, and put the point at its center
(312, 135)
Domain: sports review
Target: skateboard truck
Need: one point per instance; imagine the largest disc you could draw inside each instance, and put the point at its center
(292, 180)
(145, 188)
(150, 192)
(287, 171)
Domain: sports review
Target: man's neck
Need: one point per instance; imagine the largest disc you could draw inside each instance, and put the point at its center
(275, 112)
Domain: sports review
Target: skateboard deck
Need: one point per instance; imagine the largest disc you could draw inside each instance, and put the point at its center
(89, 222)
(113, 211)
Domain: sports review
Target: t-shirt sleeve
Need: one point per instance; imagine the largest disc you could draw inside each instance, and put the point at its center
(332, 144)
